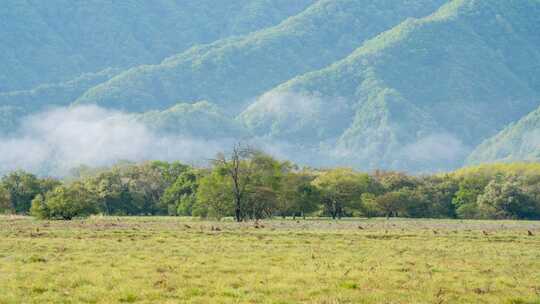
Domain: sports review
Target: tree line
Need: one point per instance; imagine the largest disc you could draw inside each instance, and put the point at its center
(247, 184)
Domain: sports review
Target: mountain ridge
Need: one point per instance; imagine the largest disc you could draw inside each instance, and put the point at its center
(454, 81)
(519, 141)
(58, 40)
(235, 70)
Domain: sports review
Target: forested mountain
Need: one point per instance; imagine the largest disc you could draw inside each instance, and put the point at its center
(56, 94)
(56, 40)
(232, 71)
(200, 119)
(518, 141)
(393, 84)
(425, 91)
(16, 104)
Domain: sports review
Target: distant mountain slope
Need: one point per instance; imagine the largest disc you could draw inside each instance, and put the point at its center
(17, 104)
(233, 71)
(201, 119)
(56, 94)
(424, 92)
(519, 141)
(57, 40)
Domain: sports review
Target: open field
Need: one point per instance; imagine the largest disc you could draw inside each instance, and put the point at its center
(177, 260)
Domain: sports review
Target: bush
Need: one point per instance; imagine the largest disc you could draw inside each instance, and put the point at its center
(503, 198)
(65, 203)
(467, 211)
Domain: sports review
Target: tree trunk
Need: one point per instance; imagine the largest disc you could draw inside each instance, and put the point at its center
(238, 211)
(237, 215)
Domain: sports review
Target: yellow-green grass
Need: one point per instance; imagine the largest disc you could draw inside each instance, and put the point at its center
(183, 260)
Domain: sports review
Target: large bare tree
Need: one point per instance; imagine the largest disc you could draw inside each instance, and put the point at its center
(236, 165)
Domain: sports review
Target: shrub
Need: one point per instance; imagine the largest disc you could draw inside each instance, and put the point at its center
(65, 203)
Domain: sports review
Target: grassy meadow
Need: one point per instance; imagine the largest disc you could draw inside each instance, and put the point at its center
(184, 260)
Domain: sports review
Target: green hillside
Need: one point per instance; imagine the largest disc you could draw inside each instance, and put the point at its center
(233, 71)
(201, 119)
(57, 40)
(16, 105)
(424, 92)
(56, 94)
(518, 141)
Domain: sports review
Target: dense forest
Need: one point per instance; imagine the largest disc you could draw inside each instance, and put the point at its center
(248, 184)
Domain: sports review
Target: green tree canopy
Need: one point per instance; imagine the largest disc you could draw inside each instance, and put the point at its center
(341, 190)
(65, 202)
